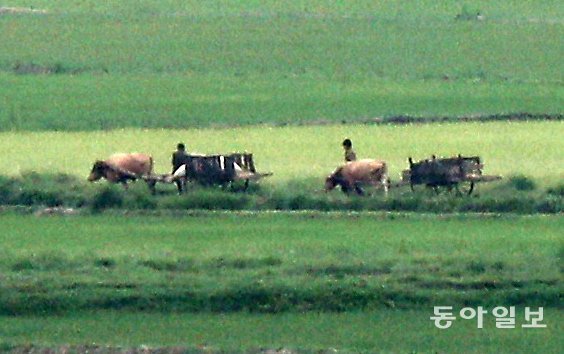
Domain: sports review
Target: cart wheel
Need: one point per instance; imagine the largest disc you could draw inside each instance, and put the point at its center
(418, 188)
(465, 187)
(423, 188)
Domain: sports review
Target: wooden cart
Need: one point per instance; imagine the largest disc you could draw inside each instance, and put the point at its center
(211, 170)
(459, 173)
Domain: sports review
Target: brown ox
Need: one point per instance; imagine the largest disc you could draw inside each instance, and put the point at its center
(120, 168)
(354, 174)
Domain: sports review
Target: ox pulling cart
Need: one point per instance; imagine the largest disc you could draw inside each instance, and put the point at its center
(460, 173)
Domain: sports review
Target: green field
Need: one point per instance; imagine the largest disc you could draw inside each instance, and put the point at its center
(276, 262)
(184, 270)
(302, 153)
(185, 64)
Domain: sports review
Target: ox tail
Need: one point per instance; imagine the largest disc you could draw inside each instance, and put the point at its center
(151, 182)
(384, 167)
(146, 174)
(151, 164)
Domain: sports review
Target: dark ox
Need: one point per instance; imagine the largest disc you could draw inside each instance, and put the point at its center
(355, 174)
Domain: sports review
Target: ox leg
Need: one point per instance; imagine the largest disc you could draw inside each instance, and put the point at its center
(179, 185)
(357, 189)
(151, 184)
(236, 186)
(345, 188)
(184, 183)
(385, 181)
(464, 189)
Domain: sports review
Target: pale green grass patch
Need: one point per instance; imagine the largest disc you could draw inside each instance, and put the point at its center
(298, 153)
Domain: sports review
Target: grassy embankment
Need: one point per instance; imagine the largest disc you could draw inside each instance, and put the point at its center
(179, 65)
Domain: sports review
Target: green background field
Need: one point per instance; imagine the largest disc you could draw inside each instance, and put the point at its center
(180, 64)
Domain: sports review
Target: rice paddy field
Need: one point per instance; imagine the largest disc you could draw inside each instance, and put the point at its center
(306, 281)
(179, 64)
(288, 81)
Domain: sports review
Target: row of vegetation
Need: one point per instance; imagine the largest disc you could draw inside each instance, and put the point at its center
(519, 194)
(255, 285)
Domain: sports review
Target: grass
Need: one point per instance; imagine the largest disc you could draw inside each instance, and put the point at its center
(364, 332)
(307, 154)
(380, 39)
(173, 101)
(275, 263)
(196, 64)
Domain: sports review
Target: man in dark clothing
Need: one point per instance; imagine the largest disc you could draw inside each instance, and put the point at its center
(349, 152)
(179, 159)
